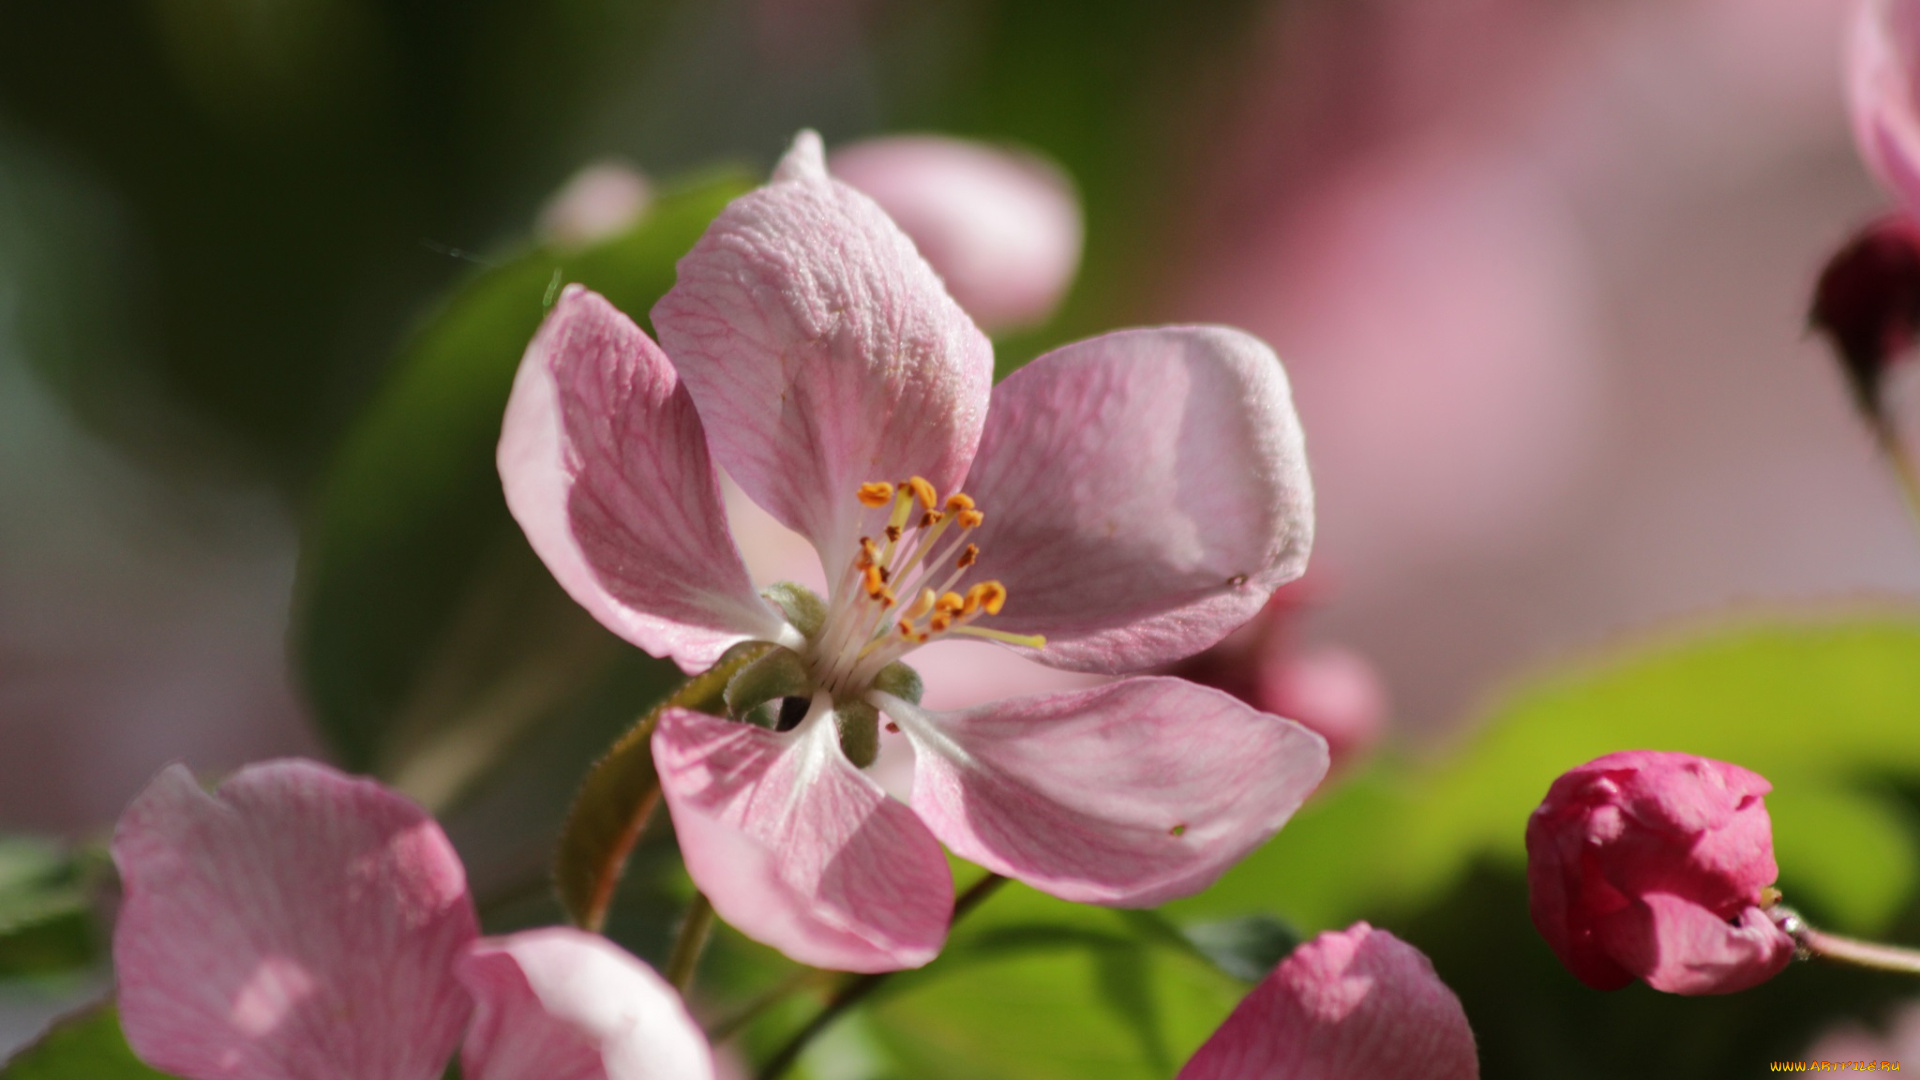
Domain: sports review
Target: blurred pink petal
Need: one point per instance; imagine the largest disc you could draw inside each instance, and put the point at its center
(797, 848)
(1440, 319)
(823, 352)
(1351, 1004)
(1651, 865)
(599, 202)
(1001, 227)
(1132, 793)
(1145, 492)
(296, 924)
(605, 467)
(1883, 63)
(563, 1004)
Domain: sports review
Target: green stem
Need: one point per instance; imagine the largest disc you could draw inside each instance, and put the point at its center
(859, 987)
(797, 980)
(1844, 950)
(695, 929)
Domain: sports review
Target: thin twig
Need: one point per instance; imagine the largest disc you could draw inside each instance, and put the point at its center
(1844, 950)
(1904, 470)
(859, 987)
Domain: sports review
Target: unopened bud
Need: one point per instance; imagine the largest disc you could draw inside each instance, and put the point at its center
(1868, 304)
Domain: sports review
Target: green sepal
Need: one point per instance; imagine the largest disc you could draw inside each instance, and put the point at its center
(779, 673)
(802, 606)
(859, 731)
(901, 681)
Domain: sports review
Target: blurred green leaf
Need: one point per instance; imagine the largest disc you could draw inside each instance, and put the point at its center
(46, 908)
(85, 1046)
(1247, 947)
(428, 634)
(1826, 711)
(619, 794)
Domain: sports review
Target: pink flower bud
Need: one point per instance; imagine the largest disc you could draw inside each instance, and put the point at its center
(1868, 303)
(1651, 865)
(597, 203)
(1000, 227)
(1354, 1003)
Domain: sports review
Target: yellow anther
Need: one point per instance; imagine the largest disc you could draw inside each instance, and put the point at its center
(869, 553)
(874, 582)
(931, 518)
(876, 494)
(990, 595)
(969, 519)
(940, 621)
(905, 628)
(893, 534)
(950, 604)
(959, 500)
(921, 604)
(887, 599)
(968, 557)
(922, 490)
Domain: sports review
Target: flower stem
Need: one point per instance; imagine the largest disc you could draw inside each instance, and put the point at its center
(695, 929)
(1844, 950)
(857, 988)
(1904, 470)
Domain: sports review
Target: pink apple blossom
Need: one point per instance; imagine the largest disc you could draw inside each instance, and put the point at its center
(1651, 865)
(1117, 504)
(1000, 226)
(1356, 1003)
(300, 923)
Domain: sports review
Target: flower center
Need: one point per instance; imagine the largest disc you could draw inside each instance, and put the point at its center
(898, 591)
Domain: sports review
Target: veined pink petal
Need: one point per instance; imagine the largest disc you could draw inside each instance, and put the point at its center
(1131, 793)
(1883, 91)
(1358, 1003)
(1001, 227)
(299, 923)
(563, 1004)
(823, 352)
(1682, 948)
(606, 469)
(1145, 492)
(798, 849)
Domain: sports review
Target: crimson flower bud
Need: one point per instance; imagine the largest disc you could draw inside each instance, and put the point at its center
(1652, 865)
(1868, 303)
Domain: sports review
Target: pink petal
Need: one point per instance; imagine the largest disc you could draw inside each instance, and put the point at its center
(1145, 492)
(1002, 228)
(1682, 948)
(1883, 53)
(823, 352)
(1132, 793)
(1358, 1003)
(297, 924)
(797, 848)
(606, 469)
(563, 1004)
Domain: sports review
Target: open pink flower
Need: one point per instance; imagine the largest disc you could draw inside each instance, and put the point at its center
(1651, 865)
(1128, 500)
(1357, 1003)
(300, 923)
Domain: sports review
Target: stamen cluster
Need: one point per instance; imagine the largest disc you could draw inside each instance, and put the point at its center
(922, 553)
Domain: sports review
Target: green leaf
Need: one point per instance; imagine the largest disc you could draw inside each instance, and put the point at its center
(426, 629)
(620, 792)
(46, 908)
(85, 1046)
(1247, 947)
(1825, 710)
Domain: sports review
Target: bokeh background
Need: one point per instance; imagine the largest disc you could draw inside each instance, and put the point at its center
(1539, 271)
